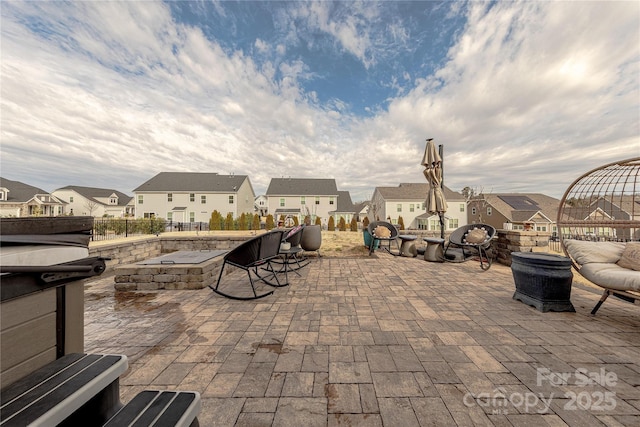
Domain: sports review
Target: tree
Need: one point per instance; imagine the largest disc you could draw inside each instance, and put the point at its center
(242, 222)
(354, 224)
(269, 222)
(215, 221)
(91, 205)
(256, 222)
(228, 222)
(365, 222)
(342, 224)
(331, 225)
(318, 221)
(400, 223)
(307, 220)
(296, 222)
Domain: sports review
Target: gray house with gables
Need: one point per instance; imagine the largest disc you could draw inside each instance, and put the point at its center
(18, 199)
(96, 202)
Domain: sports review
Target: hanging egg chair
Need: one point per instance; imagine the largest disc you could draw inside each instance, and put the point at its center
(599, 228)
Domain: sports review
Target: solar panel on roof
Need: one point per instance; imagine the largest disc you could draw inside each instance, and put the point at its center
(520, 203)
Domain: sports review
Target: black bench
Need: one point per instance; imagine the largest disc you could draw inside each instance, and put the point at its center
(160, 409)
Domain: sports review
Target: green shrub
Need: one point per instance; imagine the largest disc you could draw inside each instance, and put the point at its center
(342, 224)
(331, 225)
(269, 225)
(354, 224)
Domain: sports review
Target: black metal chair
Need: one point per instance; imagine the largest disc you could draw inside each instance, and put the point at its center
(460, 238)
(288, 259)
(392, 238)
(251, 256)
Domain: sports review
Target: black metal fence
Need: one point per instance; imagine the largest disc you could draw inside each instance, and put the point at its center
(116, 228)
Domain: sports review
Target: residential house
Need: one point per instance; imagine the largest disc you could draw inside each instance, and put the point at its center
(408, 201)
(192, 196)
(96, 202)
(344, 208)
(517, 211)
(299, 197)
(604, 209)
(361, 209)
(261, 205)
(18, 199)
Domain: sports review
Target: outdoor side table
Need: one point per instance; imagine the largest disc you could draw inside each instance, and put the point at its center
(408, 247)
(542, 280)
(435, 249)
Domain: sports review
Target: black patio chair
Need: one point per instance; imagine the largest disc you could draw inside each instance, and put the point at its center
(392, 238)
(288, 259)
(290, 256)
(477, 243)
(251, 256)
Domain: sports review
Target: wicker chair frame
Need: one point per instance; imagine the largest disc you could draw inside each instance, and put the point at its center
(393, 238)
(457, 240)
(603, 204)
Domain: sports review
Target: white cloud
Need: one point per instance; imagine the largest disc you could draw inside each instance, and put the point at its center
(532, 95)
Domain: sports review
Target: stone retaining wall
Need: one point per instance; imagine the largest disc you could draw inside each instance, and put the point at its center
(519, 241)
(129, 276)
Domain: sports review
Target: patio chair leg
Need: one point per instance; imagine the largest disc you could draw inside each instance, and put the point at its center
(226, 295)
(604, 296)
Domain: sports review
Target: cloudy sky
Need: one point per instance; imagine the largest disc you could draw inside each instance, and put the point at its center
(523, 96)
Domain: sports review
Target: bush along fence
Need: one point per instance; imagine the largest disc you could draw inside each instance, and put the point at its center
(115, 228)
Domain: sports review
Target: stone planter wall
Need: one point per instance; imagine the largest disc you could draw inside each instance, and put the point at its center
(519, 241)
(135, 250)
(129, 276)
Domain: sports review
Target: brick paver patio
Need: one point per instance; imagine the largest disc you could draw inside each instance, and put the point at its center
(380, 341)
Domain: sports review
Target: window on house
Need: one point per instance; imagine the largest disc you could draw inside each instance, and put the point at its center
(203, 199)
(140, 199)
(169, 197)
(113, 201)
(424, 207)
(71, 199)
(331, 200)
(148, 215)
(192, 197)
(281, 203)
(473, 210)
(302, 200)
(192, 217)
(453, 223)
(411, 207)
(434, 224)
(317, 200)
(399, 207)
(489, 210)
(169, 216)
(231, 199)
(461, 207)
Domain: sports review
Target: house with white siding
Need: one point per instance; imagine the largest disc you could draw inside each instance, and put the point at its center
(96, 202)
(299, 197)
(408, 201)
(18, 199)
(193, 196)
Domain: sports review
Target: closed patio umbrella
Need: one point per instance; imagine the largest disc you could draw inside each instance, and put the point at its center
(436, 202)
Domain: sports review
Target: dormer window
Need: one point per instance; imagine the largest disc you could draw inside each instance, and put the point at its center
(113, 201)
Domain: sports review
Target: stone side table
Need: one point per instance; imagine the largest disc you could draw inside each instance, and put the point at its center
(435, 249)
(542, 280)
(408, 247)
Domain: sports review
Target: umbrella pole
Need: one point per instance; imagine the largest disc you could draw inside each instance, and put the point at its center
(441, 152)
